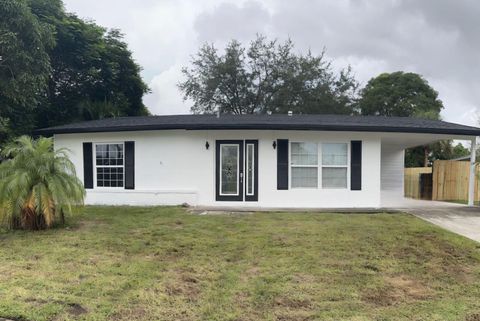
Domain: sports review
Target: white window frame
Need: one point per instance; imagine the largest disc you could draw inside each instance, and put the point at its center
(302, 166)
(347, 166)
(238, 169)
(320, 165)
(95, 177)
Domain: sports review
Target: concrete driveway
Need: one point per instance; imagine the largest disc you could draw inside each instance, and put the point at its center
(463, 220)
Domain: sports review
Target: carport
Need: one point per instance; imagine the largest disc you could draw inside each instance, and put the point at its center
(393, 147)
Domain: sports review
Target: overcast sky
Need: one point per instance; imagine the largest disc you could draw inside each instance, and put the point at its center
(439, 39)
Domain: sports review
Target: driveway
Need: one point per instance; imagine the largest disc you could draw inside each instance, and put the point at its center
(463, 220)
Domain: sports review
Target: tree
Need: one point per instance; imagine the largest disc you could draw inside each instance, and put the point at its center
(37, 184)
(24, 65)
(266, 77)
(91, 66)
(459, 151)
(400, 94)
(405, 95)
(54, 64)
(441, 150)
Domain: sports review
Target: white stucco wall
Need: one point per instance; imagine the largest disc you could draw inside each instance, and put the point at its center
(173, 167)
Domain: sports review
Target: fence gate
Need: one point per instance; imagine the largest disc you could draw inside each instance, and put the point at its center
(413, 187)
(426, 186)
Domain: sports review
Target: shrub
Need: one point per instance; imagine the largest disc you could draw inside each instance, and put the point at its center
(37, 184)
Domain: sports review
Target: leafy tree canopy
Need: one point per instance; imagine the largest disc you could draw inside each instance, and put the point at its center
(56, 68)
(406, 94)
(400, 94)
(24, 64)
(91, 66)
(266, 77)
(415, 157)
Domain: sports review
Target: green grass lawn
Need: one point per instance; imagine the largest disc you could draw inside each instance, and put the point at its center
(122, 263)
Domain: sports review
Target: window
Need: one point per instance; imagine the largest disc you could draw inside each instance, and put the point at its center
(304, 165)
(109, 165)
(249, 169)
(334, 165)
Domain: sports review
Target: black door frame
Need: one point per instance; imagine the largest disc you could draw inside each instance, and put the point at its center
(242, 195)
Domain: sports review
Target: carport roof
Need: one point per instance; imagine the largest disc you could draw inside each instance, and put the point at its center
(267, 122)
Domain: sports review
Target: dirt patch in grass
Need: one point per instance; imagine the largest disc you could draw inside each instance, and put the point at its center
(178, 224)
(411, 289)
(293, 316)
(303, 278)
(35, 301)
(293, 303)
(280, 240)
(13, 319)
(443, 257)
(284, 309)
(137, 313)
(371, 267)
(250, 273)
(397, 289)
(76, 309)
(385, 296)
(87, 225)
(290, 318)
(473, 317)
(183, 285)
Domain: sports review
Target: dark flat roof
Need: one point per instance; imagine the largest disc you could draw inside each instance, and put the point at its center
(267, 122)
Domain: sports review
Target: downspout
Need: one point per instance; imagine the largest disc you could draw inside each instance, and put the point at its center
(471, 177)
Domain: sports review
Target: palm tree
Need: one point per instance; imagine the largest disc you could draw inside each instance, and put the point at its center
(37, 184)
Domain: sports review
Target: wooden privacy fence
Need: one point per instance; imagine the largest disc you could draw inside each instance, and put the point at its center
(412, 180)
(449, 181)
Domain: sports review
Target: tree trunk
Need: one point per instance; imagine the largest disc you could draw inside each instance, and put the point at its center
(31, 221)
(62, 216)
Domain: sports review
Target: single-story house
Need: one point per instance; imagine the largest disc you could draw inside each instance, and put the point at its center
(275, 161)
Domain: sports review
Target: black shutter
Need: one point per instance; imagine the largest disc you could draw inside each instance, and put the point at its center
(129, 165)
(282, 164)
(87, 165)
(356, 165)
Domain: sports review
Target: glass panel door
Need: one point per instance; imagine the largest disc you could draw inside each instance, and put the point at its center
(229, 170)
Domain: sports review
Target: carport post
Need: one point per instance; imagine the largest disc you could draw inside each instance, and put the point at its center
(471, 178)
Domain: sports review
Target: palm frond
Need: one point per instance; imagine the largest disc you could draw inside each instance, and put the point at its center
(37, 181)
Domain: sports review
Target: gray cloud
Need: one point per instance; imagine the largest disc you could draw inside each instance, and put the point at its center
(436, 38)
(229, 21)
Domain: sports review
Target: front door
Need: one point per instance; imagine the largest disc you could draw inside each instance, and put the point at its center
(236, 170)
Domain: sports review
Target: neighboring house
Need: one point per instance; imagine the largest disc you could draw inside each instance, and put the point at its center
(289, 161)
